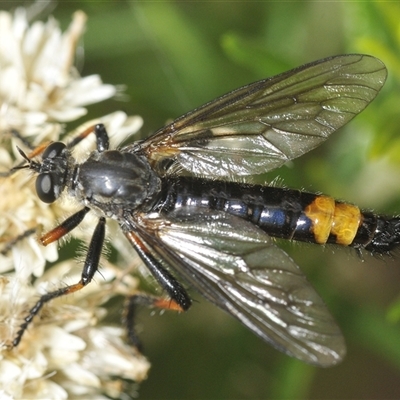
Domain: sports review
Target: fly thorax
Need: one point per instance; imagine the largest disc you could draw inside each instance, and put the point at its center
(115, 181)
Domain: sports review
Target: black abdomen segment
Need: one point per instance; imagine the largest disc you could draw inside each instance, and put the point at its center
(287, 213)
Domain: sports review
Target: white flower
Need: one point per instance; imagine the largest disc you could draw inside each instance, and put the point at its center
(65, 354)
(38, 83)
(68, 350)
(45, 365)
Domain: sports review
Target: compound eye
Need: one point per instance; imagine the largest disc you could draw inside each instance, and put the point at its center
(46, 189)
(53, 150)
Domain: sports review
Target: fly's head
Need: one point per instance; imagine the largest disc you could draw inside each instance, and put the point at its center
(52, 171)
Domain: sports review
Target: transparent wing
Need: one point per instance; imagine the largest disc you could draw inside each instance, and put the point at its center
(260, 126)
(235, 265)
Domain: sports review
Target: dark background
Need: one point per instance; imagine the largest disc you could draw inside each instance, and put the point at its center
(174, 56)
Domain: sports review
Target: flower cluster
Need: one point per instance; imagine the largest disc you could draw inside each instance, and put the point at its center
(65, 352)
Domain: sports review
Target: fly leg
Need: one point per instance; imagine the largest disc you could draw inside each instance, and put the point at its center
(102, 139)
(93, 256)
(148, 301)
(179, 299)
(11, 243)
(89, 269)
(22, 139)
(99, 130)
(65, 227)
(174, 289)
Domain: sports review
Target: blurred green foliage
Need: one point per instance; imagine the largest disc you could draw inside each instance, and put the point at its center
(174, 56)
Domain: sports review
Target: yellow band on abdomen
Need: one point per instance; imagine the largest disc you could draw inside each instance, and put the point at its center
(321, 212)
(346, 221)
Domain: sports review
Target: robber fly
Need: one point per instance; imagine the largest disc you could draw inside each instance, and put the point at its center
(184, 200)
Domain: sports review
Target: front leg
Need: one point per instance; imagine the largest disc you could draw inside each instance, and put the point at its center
(102, 140)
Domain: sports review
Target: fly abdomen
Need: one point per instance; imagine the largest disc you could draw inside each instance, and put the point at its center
(345, 224)
(287, 213)
(386, 236)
